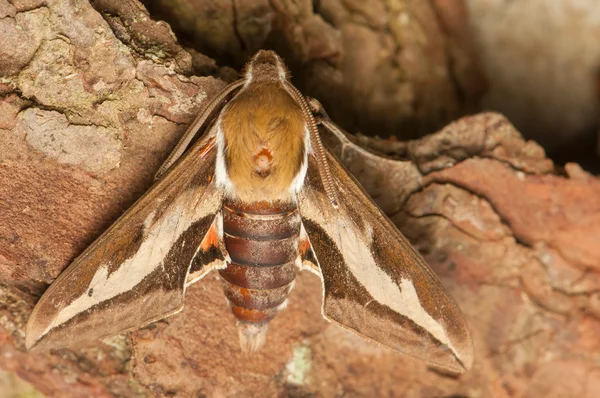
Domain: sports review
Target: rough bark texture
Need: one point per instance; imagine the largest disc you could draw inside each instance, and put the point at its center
(85, 121)
(398, 67)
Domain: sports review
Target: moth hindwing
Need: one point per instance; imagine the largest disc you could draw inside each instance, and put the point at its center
(258, 197)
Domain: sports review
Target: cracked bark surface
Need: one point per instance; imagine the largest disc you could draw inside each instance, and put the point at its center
(397, 67)
(85, 122)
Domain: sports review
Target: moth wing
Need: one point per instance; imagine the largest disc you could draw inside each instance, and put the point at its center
(136, 272)
(375, 283)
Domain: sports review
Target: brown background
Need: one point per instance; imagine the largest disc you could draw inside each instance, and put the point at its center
(93, 98)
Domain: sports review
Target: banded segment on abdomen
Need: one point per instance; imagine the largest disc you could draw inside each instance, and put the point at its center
(262, 241)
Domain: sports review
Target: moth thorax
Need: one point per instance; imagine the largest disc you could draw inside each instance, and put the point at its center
(263, 137)
(262, 241)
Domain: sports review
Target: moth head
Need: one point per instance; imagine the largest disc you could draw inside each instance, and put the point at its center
(266, 66)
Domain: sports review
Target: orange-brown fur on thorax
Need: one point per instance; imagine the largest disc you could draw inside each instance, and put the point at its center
(264, 132)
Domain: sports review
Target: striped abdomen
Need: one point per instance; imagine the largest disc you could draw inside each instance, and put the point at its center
(262, 241)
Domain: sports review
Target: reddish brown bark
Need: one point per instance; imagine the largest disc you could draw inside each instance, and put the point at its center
(86, 122)
(403, 67)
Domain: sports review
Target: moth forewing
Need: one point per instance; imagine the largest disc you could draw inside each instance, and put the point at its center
(135, 273)
(375, 283)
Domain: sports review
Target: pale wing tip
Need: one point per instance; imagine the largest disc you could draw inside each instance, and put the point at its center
(454, 360)
(467, 362)
(31, 337)
(466, 356)
(451, 363)
(459, 359)
(454, 367)
(36, 336)
(464, 351)
(30, 343)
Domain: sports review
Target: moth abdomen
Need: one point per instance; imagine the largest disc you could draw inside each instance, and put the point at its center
(262, 242)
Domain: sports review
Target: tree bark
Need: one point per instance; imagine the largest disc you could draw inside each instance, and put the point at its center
(86, 121)
(401, 67)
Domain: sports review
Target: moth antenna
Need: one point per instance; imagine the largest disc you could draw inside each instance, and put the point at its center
(193, 129)
(316, 107)
(315, 140)
(252, 336)
(324, 120)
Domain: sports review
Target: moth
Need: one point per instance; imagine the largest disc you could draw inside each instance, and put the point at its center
(257, 198)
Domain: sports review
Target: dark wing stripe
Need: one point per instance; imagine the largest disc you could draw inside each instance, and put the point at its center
(407, 302)
(337, 292)
(160, 238)
(135, 272)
